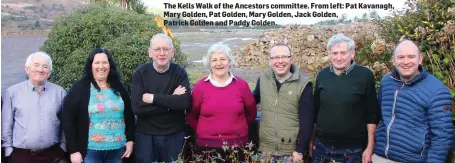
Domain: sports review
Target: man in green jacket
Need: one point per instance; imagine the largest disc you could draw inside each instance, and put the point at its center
(286, 98)
(346, 107)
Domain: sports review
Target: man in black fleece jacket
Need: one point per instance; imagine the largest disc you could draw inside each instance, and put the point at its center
(346, 107)
(160, 96)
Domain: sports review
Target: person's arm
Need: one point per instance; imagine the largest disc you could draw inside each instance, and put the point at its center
(176, 102)
(69, 115)
(128, 114)
(249, 103)
(371, 101)
(7, 123)
(62, 135)
(139, 107)
(257, 92)
(193, 114)
(379, 114)
(316, 104)
(441, 129)
(63, 142)
(370, 128)
(373, 109)
(371, 115)
(306, 116)
(317, 100)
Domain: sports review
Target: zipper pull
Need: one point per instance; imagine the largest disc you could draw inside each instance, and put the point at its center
(276, 100)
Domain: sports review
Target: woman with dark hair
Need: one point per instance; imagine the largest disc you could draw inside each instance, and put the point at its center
(97, 117)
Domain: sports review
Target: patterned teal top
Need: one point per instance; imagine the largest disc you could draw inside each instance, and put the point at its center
(107, 125)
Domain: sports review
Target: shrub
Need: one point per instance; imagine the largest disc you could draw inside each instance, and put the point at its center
(125, 33)
(231, 153)
(430, 23)
(136, 48)
(194, 76)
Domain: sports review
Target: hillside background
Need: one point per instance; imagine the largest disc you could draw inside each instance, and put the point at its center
(33, 16)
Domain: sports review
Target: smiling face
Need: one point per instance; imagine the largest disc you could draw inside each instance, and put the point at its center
(341, 56)
(100, 67)
(219, 64)
(406, 60)
(161, 52)
(280, 60)
(38, 70)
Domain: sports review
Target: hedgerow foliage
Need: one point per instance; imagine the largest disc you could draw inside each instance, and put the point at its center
(431, 24)
(125, 33)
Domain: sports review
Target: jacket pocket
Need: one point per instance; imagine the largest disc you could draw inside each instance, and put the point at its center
(418, 145)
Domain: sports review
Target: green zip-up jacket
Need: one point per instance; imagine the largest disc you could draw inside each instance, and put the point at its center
(279, 126)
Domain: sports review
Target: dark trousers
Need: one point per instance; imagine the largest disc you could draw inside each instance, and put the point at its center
(150, 148)
(50, 155)
(4, 160)
(323, 153)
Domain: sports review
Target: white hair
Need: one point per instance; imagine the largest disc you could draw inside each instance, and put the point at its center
(39, 54)
(340, 38)
(218, 48)
(162, 36)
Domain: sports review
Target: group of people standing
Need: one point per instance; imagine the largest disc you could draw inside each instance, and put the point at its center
(338, 117)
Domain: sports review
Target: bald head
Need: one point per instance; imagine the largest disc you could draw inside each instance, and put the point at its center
(406, 59)
(406, 46)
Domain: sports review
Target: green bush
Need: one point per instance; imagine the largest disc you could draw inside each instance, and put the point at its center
(125, 33)
(430, 23)
(136, 48)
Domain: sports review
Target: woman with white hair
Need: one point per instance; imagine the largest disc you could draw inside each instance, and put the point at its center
(221, 100)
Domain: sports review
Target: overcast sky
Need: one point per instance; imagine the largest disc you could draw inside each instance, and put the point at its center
(351, 13)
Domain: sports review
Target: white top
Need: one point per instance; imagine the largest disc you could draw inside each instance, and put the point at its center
(216, 84)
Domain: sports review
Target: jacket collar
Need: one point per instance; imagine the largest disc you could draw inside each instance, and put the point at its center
(423, 74)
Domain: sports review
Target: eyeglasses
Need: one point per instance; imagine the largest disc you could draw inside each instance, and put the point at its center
(277, 58)
(164, 50)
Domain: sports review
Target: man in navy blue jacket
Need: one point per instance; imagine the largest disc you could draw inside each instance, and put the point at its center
(416, 124)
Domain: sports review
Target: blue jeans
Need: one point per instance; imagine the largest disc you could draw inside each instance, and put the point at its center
(104, 156)
(323, 153)
(150, 148)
